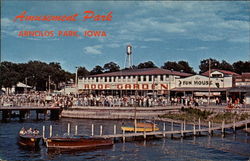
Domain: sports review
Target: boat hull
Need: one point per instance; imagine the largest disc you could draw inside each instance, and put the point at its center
(29, 140)
(139, 129)
(76, 143)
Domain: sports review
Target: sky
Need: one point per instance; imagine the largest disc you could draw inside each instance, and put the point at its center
(159, 31)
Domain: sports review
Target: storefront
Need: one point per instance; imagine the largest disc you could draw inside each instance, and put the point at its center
(149, 81)
(199, 86)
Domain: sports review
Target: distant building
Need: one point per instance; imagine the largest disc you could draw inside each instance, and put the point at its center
(197, 86)
(241, 88)
(147, 81)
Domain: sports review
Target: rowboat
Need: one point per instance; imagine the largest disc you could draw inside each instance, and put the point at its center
(141, 127)
(82, 142)
(29, 140)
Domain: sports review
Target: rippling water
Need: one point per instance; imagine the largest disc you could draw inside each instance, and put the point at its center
(231, 147)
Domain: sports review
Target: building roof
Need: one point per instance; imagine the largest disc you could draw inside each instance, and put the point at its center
(144, 71)
(222, 71)
(22, 85)
(244, 76)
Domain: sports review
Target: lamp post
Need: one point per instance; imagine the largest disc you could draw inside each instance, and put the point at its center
(76, 80)
(26, 82)
(209, 72)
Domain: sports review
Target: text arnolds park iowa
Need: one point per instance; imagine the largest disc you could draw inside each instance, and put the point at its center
(88, 16)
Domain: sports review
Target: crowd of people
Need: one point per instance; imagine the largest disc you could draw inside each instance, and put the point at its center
(30, 131)
(66, 101)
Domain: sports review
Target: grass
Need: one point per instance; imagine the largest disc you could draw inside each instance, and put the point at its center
(192, 115)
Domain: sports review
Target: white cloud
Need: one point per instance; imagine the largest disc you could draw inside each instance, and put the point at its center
(113, 45)
(93, 49)
(153, 39)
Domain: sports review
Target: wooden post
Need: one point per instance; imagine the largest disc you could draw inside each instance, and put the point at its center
(100, 130)
(114, 129)
(172, 129)
(123, 135)
(194, 129)
(222, 127)
(92, 130)
(184, 127)
(76, 128)
(135, 122)
(209, 128)
(50, 131)
(43, 131)
(199, 125)
(68, 128)
(164, 129)
(181, 129)
(144, 134)
(234, 128)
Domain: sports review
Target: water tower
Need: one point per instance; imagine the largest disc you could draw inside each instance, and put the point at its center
(128, 60)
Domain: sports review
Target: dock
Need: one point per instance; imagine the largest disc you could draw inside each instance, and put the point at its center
(182, 131)
(23, 110)
(196, 130)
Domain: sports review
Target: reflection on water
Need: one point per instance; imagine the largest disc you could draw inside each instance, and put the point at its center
(230, 147)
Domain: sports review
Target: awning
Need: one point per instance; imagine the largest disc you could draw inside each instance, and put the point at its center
(240, 89)
(22, 85)
(198, 89)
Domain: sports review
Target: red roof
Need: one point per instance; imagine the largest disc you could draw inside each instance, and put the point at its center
(222, 71)
(144, 71)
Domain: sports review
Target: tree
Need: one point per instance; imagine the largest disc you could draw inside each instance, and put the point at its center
(204, 65)
(82, 72)
(111, 67)
(148, 64)
(172, 66)
(226, 66)
(9, 75)
(184, 66)
(241, 67)
(96, 70)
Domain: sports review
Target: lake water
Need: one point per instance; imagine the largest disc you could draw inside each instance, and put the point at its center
(231, 147)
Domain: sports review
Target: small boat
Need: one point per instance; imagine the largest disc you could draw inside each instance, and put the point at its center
(29, 139)
(141, 127)
(80, 142)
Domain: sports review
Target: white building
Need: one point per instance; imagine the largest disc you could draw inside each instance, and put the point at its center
(131, 82)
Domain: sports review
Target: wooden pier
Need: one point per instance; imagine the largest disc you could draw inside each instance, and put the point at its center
(196, 130)
(7, 111)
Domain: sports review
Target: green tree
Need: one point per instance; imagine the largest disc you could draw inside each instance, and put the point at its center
(96, 70)
(204, 64)
(241, 67)
(172, 66)
(148, 64)
(184, 66)
(224, 65)
(111, 67)
(82, 72)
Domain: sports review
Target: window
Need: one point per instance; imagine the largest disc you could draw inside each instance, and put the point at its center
(139, 78)
(150, 78)
(144, 78)
(161, 77)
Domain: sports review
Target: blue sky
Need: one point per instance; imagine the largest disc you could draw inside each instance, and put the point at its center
(158, 31)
